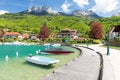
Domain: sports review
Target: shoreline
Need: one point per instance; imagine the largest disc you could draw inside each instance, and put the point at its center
(18, 43)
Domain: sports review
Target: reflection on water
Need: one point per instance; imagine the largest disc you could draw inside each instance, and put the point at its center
(6, 58)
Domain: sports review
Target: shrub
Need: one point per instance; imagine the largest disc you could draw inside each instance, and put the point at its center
(73, 42)
(96, 41)
(8, 40)
(116, 38)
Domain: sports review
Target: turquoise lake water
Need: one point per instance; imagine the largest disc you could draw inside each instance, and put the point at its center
(16, 68)
(22, 50)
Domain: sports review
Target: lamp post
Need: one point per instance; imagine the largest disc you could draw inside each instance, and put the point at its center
(108, 43)
(87, 42)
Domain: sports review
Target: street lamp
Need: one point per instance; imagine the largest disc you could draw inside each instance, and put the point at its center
(87, 42)
(108, 43)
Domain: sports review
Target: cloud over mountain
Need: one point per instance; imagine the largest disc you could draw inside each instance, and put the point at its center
(3, 12)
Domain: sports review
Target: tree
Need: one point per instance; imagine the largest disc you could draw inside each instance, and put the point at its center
(1, 34)
(95, 30)
(44, 33)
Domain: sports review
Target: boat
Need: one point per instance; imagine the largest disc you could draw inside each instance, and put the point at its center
(58, 51)
(40, 60)
(47, 44)
(56, 45)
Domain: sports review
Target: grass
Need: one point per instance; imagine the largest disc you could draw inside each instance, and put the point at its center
(19, 69)
(114, 47)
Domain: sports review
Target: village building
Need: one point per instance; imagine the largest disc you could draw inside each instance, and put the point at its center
(25, 36)
(11, 35)
(115, 36)
(67, 33)
(115, 32)
(34, 37)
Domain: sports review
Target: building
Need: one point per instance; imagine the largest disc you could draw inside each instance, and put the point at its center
(67, 33)
(34, 37)
(115, 32)
(115, 36)
(23, 36)
(11, 35)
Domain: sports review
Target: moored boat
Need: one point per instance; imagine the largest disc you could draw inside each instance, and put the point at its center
(41, 60)
(58, 51)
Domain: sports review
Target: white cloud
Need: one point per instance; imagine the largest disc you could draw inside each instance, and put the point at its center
(3, 12)
(52, 11)
(105, 6)
(81, 3)
(65, 6)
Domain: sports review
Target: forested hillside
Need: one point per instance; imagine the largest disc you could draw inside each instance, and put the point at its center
(26, 23)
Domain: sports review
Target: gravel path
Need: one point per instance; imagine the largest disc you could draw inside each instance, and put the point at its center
(111, 70)
(85, 67)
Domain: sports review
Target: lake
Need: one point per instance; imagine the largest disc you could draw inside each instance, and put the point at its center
(16, 68)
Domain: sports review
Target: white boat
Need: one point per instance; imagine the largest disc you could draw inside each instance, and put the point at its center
(41, 60)
(47, 44)
(56, 45)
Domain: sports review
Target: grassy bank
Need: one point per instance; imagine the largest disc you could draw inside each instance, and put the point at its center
(114, 47)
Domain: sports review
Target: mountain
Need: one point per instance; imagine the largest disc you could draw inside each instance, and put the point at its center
(116, 14)
(85, 13)
(44, 10)
(41, 10)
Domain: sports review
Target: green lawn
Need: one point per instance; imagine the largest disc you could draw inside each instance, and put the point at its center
(114, 47)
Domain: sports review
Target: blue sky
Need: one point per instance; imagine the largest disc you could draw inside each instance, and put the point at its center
(104, 8)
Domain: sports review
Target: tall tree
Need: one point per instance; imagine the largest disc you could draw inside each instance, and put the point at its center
(44, 32)
(95, 30)
(1, 34)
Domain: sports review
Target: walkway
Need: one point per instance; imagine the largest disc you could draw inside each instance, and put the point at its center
(85, 67)
(111, 69)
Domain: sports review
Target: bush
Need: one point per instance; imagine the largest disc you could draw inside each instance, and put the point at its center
(116, 38)
(54, 40)
(73, 42)
(8, 40)
(96, 41)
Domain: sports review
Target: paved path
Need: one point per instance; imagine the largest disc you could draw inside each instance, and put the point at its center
(86, 67)
(111, 62)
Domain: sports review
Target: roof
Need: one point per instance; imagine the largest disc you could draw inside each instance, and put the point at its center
(12, 33)
(116, 29)
(25, 36)
(69, 31)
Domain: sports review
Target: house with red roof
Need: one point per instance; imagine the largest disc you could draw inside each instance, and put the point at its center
(11, 35)
(25, 36)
